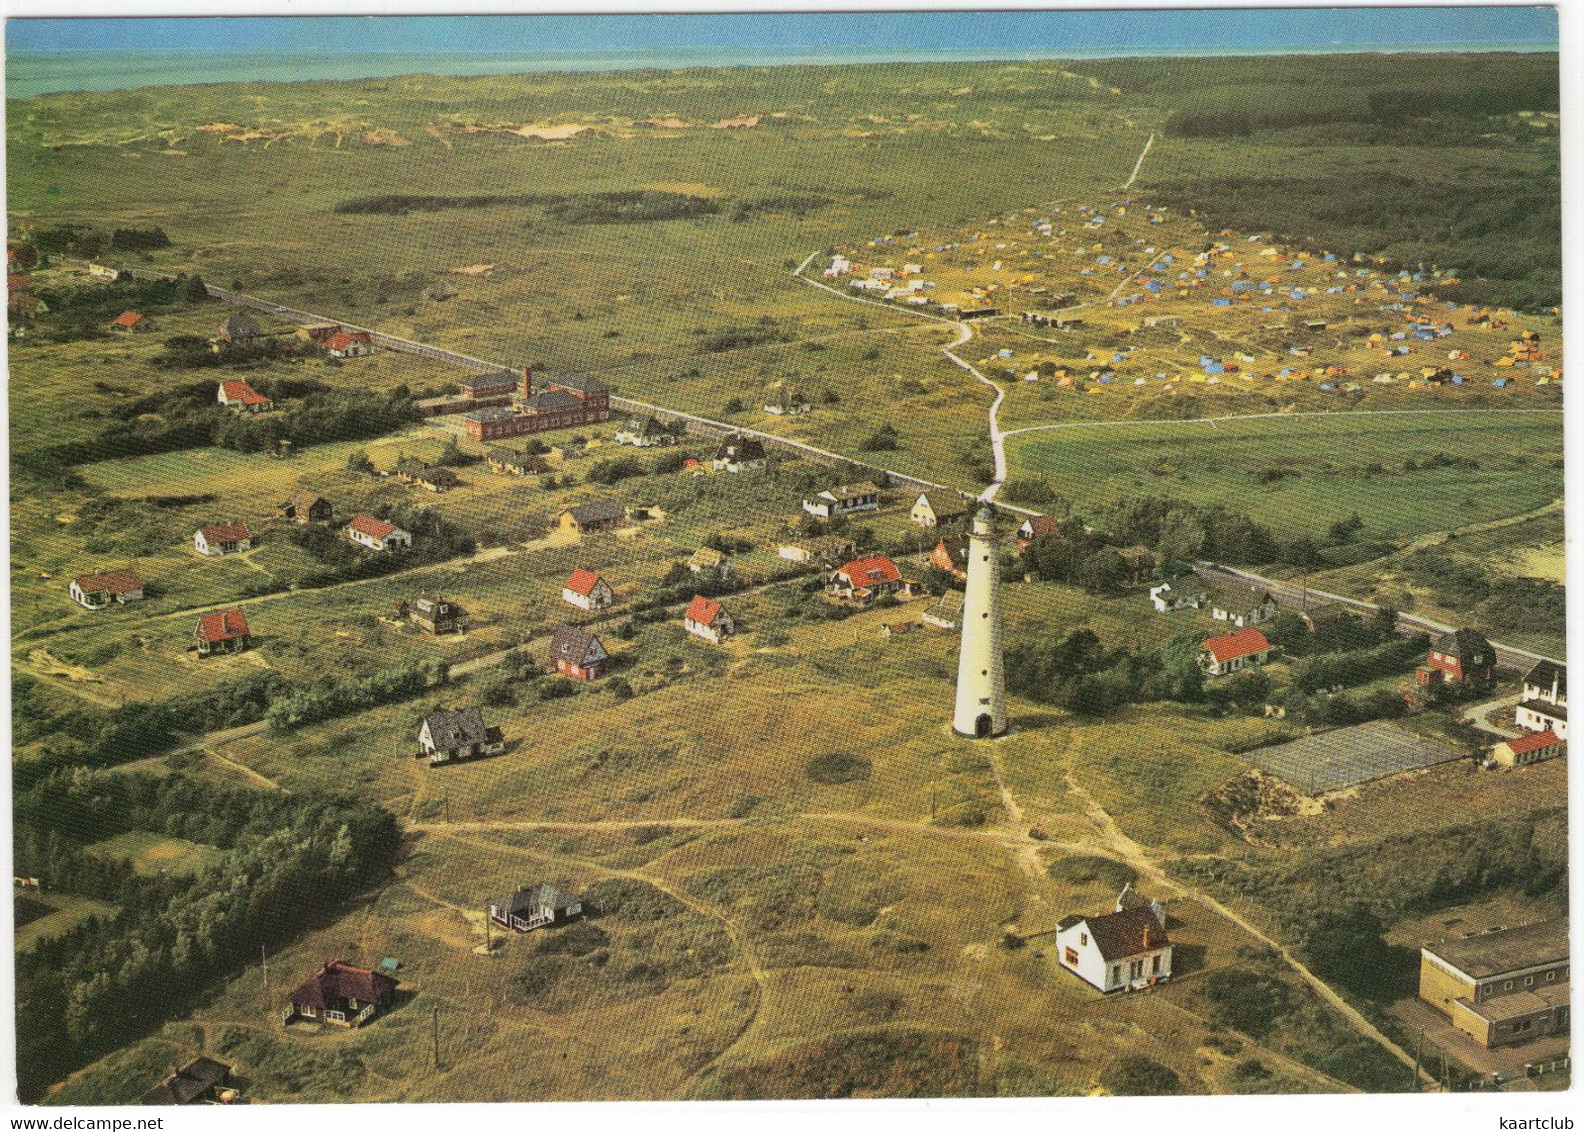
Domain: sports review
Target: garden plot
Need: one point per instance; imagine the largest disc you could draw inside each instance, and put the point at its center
(1333, 760)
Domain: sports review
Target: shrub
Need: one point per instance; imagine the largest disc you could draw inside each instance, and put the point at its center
(838, 768)
(1138, 1076)
(1105, 871)
(1246, 1000)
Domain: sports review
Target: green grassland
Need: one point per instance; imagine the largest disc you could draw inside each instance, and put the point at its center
(150, 853)
(1327, 468)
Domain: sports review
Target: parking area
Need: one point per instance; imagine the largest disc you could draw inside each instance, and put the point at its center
(1334, 760)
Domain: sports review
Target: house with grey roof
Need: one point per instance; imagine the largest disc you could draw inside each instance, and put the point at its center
(451, 736)
(535, 906)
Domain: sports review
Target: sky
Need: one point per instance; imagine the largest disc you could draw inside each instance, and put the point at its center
(1011, 31)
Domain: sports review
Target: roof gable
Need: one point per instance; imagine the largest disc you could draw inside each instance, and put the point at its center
(583, 582)
(228, 625)
(121, 581)
(576, 645)
(1133, 931)
(1230, 646)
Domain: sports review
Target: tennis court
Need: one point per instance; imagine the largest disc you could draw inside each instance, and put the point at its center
(1332, 760)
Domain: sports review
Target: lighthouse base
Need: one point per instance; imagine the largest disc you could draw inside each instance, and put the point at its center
(981, 726)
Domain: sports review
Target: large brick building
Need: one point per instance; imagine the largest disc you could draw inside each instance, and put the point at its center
(566, 402)
(1501, 987)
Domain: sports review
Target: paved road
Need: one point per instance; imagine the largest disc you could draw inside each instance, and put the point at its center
(1292, 593)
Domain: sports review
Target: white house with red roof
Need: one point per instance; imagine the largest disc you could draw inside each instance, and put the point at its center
(224, 632)
(377, 534)
(1232, 652)
(241, 397)
(100, 588)
(223, 538)
(863, 580)
(587, 590)
(349, 344)
(707, 618)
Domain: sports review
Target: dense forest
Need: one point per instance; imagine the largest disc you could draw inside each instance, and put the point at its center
(290, 862)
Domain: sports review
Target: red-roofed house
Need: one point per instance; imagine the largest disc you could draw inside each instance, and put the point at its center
(129, 321)
(587, 590)
(707, 618)
(220, 633)
(1231, 652)
(223, 538)
(951, 555)
(349, 344)
(341, 995)
(239, 395)
(1526, 749)
(99, 589)
(377, 534)
(865, 579)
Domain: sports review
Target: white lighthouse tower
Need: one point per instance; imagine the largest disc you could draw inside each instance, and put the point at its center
(981, 679)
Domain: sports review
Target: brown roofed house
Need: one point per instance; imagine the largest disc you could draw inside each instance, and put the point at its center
(223, 538)
(224, 632)
(340, 994)
(202, 1080)
(100, 588)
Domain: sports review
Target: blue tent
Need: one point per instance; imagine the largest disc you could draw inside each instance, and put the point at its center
(1215, 367)
(1329, 258)
(1398, 336)
(1221, 302)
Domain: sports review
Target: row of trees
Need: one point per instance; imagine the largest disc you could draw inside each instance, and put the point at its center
(328, 697)
(322, 417)
(291, 862)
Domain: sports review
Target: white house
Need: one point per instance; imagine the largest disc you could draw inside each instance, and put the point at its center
(937, 506)
(223, 538)
(376, 534)
(1123, 950)
(839, 265)
(100, 588)
(844, 500)
(349, 344)
(1241, 604)
(643, 431)
(587, 590)
(705, 617)
(1232, 652)
(1544, 703)
(1168, 597)
(708, 561)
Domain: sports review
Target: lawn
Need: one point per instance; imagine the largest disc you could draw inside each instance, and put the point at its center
(1325, 468)
(151, 854)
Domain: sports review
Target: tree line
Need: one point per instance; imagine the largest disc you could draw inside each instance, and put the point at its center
(291, 862)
